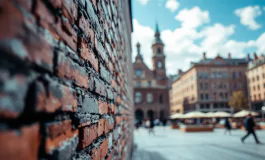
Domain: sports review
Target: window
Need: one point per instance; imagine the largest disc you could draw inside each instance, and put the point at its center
(201, 96)
(200, 74)
(218, 62)
(138, 84)
(161, 99)
(258, 87)
(206, 96)
(221, 95)
(257, 78)
(159, 64)
(201, 86)
(158, 50)
(138, 72)
(213, 75)
(235, 86)
(234, 75)
(226, 95)
(254, 88)
(215, 105)
(138, 97)
(149, 83)
(225, 74)
(207, 106)
(239, 74)
(264, 85)
(263, 75)
(205, 75)
(149, 97)
(205, 86)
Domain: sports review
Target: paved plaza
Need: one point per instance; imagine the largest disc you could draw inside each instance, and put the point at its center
(171, 144)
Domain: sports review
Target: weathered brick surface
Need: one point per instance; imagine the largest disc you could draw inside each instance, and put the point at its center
(65, 79)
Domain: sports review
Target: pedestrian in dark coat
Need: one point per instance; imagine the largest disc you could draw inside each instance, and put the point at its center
(227, 126)
(249, 125)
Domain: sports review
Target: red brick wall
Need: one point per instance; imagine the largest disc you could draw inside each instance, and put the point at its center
(65, 83)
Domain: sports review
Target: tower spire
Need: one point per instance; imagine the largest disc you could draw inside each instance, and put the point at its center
(157, 28)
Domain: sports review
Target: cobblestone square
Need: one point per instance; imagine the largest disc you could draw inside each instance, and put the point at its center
(168, 144)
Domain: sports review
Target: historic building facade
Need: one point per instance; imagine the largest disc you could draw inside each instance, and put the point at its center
(208, 85)
(256, 82)
(151, 85)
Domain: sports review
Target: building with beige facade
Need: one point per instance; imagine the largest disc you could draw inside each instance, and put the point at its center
(256, 82)
(208, 84)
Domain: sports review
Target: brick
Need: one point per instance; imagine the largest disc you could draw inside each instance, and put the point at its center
(89, 105)
(101, 127)
(51, 144)
(103, 107)
(57, 128)
(72, 71)
(27, 137)
(12, 101)
(87, 135)
(88, 30)
(45, 16)
(110, 123)
(56, 97)
(105, 73)
(88, 55)
(69, 10)
(66, 151)
(100, 87)
(118, 120)
(95, 154)
(104, 149)
(11, 24)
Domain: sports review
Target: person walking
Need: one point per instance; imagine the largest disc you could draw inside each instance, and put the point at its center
(164, 123)
(227, 126)
(152, 125)
(249, 125)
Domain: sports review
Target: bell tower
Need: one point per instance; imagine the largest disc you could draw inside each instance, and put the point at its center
(158, 58)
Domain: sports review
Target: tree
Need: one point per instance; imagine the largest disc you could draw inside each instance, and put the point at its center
(238, 100)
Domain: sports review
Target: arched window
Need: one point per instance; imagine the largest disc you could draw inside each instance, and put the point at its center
(138, 97)
(139, 114)
(158, 50)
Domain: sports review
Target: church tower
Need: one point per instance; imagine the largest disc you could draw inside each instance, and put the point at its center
(158, 58)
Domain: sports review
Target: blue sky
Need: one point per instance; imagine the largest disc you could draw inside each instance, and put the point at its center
(190, 27)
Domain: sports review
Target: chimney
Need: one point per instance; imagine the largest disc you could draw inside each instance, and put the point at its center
(229, 55)
(204, 56)
(180, 72)
(255, 56)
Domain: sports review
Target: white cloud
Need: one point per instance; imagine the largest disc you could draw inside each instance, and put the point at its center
(172, 5)
(259, 43)
(143, 2)
(214, 37)
(193, 18)
(144, 35)
(247, 16)
(181, 47)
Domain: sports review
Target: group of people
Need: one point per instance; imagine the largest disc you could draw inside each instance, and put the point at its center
(249, 125)
(150, 124)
